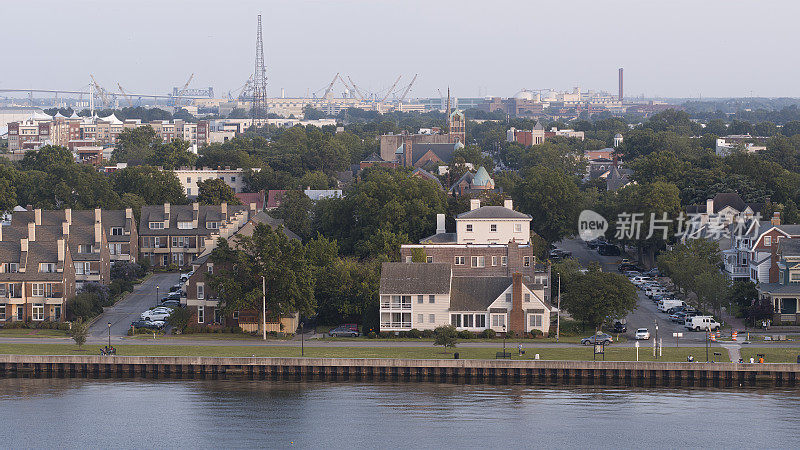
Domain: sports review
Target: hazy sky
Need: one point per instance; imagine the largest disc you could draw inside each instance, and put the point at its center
(668, 48)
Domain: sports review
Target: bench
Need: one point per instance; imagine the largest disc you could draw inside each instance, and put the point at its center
(502, 355)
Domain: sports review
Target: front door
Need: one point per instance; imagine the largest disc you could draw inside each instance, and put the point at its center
(20, 312)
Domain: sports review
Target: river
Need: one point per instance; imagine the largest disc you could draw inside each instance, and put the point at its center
(144, 413)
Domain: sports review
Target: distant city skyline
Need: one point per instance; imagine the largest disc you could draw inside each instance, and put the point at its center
(679, 49)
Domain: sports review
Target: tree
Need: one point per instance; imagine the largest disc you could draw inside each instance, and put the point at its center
(152, 185)
(742, 294)
(597, 296)
(179, 319)
(311, 113)
(270, 254)
(78, 331)
(694, 268)
(446, 336)
(171, 156)
(295, 210)
(135, 145)
(214, 191)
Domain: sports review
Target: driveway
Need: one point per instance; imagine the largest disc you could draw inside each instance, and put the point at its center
(131, 307)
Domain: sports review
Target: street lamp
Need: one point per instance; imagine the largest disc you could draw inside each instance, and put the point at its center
(156, 295)
(504, 338)
(109, 335)
(655, 343)
(558, 313)
(302, 341)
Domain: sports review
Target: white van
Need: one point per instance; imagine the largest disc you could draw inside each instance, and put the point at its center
(640, 280)
(665, 305)
(704, 323)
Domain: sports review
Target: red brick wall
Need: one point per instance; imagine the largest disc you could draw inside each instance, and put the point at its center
(516, 319)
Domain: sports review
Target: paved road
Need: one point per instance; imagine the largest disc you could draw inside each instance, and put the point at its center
(129, 309)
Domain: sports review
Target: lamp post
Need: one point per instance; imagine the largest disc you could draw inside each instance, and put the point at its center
(558, 313)
(156, 295)
(109, 335)
(264, 307)
(302, 341)
(655, 343)
(504, 338)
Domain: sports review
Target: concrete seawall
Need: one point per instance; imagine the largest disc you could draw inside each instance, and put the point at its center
(435, 370)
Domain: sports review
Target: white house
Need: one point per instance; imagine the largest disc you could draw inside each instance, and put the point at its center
(189, 178)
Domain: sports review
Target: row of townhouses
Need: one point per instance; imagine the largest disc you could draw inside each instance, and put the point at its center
(482, 276)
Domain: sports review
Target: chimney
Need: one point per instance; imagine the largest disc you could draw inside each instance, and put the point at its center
(223, 209)
(474, 203)
(23, 245)
(166, 215)
(252, 208)
(710, 206)
(68, 215)
(98, 229)
(776, 219)
(32, 231)
(516, 317)
(1, 233)
(65, 228)
(508, 203)
(98, 215)
(60, 244)
(128, 214)
(440, 224)
(407, 153)
(195, 206)
(37, 215)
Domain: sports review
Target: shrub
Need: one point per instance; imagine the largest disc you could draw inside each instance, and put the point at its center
(179, 319)
(464, 334)
(79, 331)
(101, 291)
(445, 335)
(536, 333)
(126, 271)
(511, 334)
(84, 305)
(488, 334)
(414, 333)
(372, 335)
(427, 334)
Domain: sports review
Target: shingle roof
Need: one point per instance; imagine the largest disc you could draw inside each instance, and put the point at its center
(789, 247)
(493, 212)
(415, 278)
(777, 288)
(442, 151)
(476, 293)
(206, 213)
(419, 172)
(440, 238)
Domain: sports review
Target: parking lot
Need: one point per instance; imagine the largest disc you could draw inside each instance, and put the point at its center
(131, 307)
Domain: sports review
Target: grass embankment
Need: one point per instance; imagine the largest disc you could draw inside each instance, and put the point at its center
(771, 355)
(32, 332)
(571, 353)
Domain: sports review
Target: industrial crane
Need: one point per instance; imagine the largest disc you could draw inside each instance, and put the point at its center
(100, 91)
(408, 88)
(186, 85)
(349, 87)
(127, 97)
(389, 92)
(330, 86)
(358, 91)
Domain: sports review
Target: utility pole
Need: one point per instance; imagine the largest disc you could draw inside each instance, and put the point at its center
(558, 313)
(264, 305)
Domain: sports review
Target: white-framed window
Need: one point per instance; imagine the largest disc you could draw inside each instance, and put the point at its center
(478, 261)
(527, 297)
(156, 225)
(480, 320)
(3, 312)
(431, 318)
(526, 261)
(504, 261)
(455, 320)
(767, 241)
(188, 191)
(210, 268)
(431, 298)
(212, 225)
(518, 228)
(201, 314)
(494, 261)
(508, 297)
(37, 289)
(83, 268)
(460, 260)
(493, 228)
(11, 267)
(535, 320)
(201, 291)
(185, 225)
(429, 259)
(469, 228)
(420, 318)
(117, 231)
(409, 258)
(37, 311)
(498, 320)
(47, 267)
(420, 299)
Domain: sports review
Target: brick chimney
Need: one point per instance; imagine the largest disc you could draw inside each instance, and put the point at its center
(516, 319)
(710, 206)
(37, 216)
(776, 219)
(98, 215)
(68, 215)
(408, 161)
(98, 238)
(223, 209)
(32, 231)
(60, 244)
(65, 228)
(23, 245)
(166, 215)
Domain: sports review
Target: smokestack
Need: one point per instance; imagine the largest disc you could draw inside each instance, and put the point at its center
(620, 85)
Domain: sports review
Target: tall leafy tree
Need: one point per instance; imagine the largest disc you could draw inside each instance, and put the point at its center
(597, 296)
(154, 186)
(214, 191)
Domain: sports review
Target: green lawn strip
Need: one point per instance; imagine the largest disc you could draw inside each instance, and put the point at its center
(771, 354)
(32, 332)
(526, 341)
(207, 336)
(570, 353)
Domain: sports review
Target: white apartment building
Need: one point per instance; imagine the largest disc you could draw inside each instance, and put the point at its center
(189, 178)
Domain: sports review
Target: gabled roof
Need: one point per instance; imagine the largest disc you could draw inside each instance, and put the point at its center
(493, 212)
(482, 177)
(789, 247)
(413, 278)
(476, 293)
(442, 151)
(420, 172)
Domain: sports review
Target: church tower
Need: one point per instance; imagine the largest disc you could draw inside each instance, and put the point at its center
(457, 127)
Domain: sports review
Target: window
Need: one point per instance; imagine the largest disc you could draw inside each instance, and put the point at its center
(188, 191)
(508, 297)
(460, 260)
(211, 268)
(420, 299)
(217, 315)
(201, 314)
(498, 320)
(20, 312)
(527, 298)
(47, 267)
(526, 261)
(431, 318)
(212, 225)
(469, 228)
(188, 179)
(201, 291)
(37, 311)
(455, 320)
(468, 321)
(535, 320)
(233, 179)
(794, 276)
(236, 315)
(494, 261)
(767, 241)
(504, 261)
(431, 298)
(2, 312)
(85, 248)
(518, 228)
(37, 289)
(185, 225)
(420, 318)
(480, 320)
(56, 313)
(156, 225)
(478, 261)
(409, 258)
(493, 228)
(429, 259)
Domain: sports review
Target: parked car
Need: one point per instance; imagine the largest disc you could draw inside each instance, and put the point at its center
(171, 303)
(185, 276)
(595, 243)
(643, 334)
(640, 280)
(600, 338)
(628, 266)
(654, 272)
(678, 317)
(149, 324)
(176, 288)
(620, 327)
(157, 313)
(345, 331)
(632, 273)
(172, 296)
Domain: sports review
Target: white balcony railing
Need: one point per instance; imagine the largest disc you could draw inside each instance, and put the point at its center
(387, 325)
(737, 270)
(395, 305)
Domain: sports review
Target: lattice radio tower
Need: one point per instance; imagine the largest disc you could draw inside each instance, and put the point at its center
(259, 110)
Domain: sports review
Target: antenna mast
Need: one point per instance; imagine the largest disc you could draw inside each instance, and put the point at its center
(259, 109)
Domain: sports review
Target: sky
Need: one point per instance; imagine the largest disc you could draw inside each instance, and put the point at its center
(697, 48)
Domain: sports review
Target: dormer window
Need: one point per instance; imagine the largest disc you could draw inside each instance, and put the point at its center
(117, 231)
(47, 267)
(212, 225)
(185, 225)
(767, 241)
(11, 267)
(85, 248)
(156, 225)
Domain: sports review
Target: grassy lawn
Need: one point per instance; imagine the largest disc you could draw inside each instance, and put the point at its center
(571, 353)
(28, 333)
(207, 336)
(525, 342)
(771, 355)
